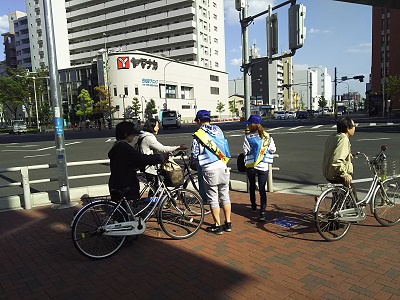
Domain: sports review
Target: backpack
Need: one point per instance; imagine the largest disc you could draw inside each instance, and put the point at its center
(138, 144)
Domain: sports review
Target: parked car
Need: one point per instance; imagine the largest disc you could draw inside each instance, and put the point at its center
(291, 115)
(170, 118)
(302, 114)
(17, 126)
(281, 115)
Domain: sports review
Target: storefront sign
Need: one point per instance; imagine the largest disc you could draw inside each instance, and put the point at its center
(123, 62)
(149, 82)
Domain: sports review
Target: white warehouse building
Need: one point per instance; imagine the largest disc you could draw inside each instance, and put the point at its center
(173, 85)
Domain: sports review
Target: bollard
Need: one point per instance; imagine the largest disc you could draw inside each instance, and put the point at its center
(26, 187)
(270, 187)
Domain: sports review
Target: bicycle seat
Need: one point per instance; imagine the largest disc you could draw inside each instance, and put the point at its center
(119, 193)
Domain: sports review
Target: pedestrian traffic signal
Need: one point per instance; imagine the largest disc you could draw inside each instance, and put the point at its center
(359, 77)
(297, 29)
(239, 4)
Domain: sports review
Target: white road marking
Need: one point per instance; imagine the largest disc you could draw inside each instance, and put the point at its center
(232, 135)
(110, 140)
(39, 155)
(378, 139)
(297, 127)
(272, 129)
(37, 150)
(318, 126)
(390, 123)
(372, 124)
(21, 146)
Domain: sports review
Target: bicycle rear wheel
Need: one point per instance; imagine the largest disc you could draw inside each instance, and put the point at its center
(326, 214)
(386, 204)
(88, 229)
(182, 214)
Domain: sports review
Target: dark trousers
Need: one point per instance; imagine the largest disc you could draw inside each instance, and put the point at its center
(262, 180)
(340, 180)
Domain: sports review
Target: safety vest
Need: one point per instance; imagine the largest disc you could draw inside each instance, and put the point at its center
(258, 150)
(215, 148)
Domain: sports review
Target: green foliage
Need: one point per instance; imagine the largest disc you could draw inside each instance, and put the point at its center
(322, 102)
(393, 87)
(232, 108)
(135, 109)
(45, 114)
(85, 106)
(150, 109)
(220, 108)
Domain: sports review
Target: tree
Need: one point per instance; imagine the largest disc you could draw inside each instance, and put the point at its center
(150, 109)
(85, 106)
(322, 102)
(45, 114)
(102, 107)
(134, 110)
(393, 88)
(220, 108)
(233, 109)
(14, 91)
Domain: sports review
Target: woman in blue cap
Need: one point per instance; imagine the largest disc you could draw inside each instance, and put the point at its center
(258, 148)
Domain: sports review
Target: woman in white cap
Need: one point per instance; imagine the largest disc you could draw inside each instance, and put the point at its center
(258, 148)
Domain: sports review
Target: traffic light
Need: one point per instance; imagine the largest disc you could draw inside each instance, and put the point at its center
(297, 30)
(239, 4)
(272, 30)
(359, 77)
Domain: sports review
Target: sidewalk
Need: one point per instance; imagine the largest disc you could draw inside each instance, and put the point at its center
(254, 261)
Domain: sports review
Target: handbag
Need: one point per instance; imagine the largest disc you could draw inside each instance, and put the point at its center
(240, 163)
(172, 172)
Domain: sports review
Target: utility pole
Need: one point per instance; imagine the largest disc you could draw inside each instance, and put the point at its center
(57, 109)
(335, 104)
(246, 61)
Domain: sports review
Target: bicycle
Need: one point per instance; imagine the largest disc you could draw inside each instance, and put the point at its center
(100, 228)
(336, 207)
(190, 178)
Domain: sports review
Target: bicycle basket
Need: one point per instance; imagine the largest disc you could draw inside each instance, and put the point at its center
(172, 172)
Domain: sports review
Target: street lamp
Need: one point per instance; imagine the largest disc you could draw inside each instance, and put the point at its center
(142, 106)
(34, 92)
(165, 86)
(123, 102)
(106, 82)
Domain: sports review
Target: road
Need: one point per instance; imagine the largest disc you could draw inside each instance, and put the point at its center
(299, 143)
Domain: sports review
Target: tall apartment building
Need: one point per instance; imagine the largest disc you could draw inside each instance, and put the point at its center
(14, 39)
(185, 30)
(385, 62)
(38, 37)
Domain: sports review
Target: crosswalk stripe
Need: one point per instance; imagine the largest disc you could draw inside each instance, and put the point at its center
(272, 129)
(315, 127)
(297, 127)
(372, 124)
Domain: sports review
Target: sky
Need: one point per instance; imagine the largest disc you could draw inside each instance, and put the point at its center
(338, 35)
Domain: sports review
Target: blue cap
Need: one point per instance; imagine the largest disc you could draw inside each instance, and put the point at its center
(202, 114)
(254, 119)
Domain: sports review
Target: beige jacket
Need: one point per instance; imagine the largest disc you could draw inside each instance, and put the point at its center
(337, 157)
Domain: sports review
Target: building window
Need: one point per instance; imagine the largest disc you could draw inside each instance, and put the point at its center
(126, 91)
(214, 90)
(171, 91)
(115, 91)
(136, 91)
(186, 92)
(214, 78)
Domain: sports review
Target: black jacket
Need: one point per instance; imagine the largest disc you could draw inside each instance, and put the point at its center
(124, 161)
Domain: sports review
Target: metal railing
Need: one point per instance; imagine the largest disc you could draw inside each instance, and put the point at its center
(26, 183)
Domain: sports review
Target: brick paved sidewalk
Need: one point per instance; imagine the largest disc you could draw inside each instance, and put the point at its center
(254, 261)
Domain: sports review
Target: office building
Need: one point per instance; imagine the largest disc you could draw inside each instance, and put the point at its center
(385, 62)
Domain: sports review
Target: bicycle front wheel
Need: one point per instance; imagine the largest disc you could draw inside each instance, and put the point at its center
(182, 214)
(326, 216)
(193, 185)
(88, 229)
(386, 204)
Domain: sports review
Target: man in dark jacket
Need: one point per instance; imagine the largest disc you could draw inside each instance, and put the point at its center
(124, 161)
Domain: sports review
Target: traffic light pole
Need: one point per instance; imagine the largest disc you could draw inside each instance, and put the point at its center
(57, 109)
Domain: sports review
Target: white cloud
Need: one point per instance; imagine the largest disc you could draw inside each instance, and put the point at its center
(4, 24)
(255, 6)
(360, 48)
(314, 30)
(236, 62)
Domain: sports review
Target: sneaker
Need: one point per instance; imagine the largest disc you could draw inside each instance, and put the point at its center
(253, 208)
(228, 226)
(215, 229)
(262, 217)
